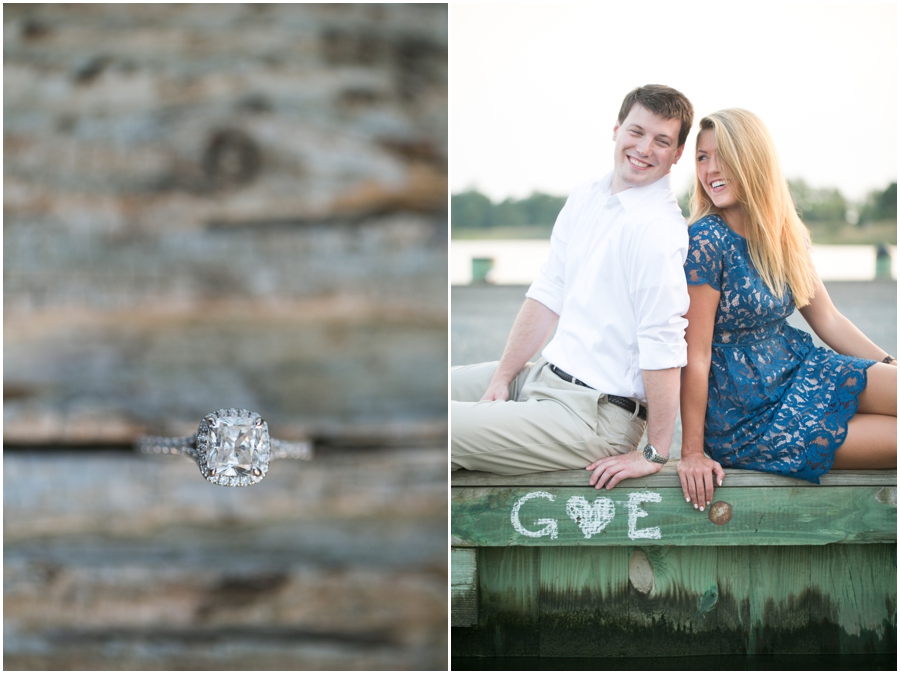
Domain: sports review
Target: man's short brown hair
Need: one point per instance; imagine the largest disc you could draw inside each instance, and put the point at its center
(664, 101)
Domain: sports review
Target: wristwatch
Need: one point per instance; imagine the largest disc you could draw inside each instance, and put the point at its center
(653, 456)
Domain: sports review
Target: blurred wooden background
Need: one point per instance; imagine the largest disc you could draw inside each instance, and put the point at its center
(213, 206)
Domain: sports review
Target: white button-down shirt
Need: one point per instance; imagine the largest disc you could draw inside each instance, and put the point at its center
(615, 276)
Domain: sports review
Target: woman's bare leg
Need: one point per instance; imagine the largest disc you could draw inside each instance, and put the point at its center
(880, 394)
(872, 434)
(871, 443)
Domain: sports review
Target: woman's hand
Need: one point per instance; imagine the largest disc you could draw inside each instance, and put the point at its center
(696, 473)
(695, 470)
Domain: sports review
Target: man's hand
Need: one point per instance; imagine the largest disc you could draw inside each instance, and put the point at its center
(531, 329)
(499, 392)
(613, 469)
(696, 473)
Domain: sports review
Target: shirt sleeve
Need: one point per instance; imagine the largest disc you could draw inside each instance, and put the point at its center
(704, 260)
(549, 286)
(659, 294)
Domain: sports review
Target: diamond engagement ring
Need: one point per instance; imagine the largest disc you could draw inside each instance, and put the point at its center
(231, 447)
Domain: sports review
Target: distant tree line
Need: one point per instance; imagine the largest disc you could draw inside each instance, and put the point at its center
(473, 210)
(829, 205)
(880, 205)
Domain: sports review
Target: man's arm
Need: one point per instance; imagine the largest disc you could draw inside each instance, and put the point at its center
(663, 388)
(530, 330)
(659, 296)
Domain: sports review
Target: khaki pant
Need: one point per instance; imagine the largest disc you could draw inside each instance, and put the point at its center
(547, 424)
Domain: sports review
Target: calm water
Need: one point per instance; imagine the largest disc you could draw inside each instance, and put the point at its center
(515, 262)
(878, 662)
(481, 316)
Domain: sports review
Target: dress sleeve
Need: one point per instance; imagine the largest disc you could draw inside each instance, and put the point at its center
(704, 258)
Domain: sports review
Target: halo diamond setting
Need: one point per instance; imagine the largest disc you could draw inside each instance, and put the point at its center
(232, 447)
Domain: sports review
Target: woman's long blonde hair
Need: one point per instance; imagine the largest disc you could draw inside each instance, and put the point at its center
(776, 237)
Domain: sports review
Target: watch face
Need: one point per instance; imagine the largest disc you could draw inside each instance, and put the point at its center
(651, 454)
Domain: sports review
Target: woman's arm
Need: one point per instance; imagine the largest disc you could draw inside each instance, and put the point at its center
(836, 330)
(695, 469)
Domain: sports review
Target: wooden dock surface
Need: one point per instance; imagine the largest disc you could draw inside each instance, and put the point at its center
(205, 207)
(118, 561)
(544, 565)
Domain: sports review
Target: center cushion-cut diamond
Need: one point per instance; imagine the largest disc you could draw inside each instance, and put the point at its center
(236, 446)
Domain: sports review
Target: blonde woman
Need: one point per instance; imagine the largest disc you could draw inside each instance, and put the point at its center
(756, 393)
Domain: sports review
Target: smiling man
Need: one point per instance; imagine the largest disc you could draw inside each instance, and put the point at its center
(613, 287)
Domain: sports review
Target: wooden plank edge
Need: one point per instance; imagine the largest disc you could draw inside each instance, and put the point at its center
(463, 587)
(668, 477)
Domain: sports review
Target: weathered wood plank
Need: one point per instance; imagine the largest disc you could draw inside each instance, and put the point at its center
(231, 206)
(843, 581)
(509, 587)
(122, 494)
(583, 517)
(335, 563)
(340, 575)
(668, 477)
(733, 607)
(245, 207)
(683, 589)
(779, 610)
(752, 600)
(581, 600)
(463, 587)
(82, 377)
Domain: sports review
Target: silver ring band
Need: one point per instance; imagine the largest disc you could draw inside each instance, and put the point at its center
(281, 449)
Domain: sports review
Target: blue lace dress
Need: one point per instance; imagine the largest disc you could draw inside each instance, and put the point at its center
(777, 403)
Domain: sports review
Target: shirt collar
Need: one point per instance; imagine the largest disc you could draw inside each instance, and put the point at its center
(633, 196)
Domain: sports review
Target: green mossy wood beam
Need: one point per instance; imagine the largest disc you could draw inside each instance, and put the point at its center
(463, 587)
(654, 512)
(564, 570)
(681, 601)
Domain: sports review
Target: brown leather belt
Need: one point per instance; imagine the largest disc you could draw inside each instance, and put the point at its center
(619, 401)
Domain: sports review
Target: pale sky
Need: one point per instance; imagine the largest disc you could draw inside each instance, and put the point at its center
(535, 87)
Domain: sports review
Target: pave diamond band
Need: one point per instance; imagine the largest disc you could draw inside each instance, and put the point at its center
(232, 447)
(280, 449)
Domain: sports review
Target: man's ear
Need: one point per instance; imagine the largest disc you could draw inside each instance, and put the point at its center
(678, 154)
(615, 129)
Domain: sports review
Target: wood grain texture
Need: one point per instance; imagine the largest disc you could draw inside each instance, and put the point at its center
(488, 516)
(668, 477)
(245, 207)
(581, 599)
(463, 587)
(748, 600)
(340, 562)
(778, 599)
(71, 493)
(849, 577)
(509, 601)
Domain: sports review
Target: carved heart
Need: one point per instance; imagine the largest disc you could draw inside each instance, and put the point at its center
(592, 519)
